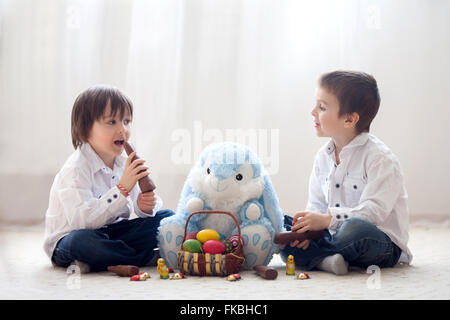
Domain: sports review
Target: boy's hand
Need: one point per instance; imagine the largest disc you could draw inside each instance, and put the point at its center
(131, 173)
(304, 221)
(146, 201)
(302, 245)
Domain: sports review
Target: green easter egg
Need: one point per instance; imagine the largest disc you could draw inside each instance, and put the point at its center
(192, 245)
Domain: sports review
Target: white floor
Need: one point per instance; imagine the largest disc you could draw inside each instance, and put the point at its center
(26, 273)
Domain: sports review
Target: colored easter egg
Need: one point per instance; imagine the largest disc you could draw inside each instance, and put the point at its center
(237, 276)
(192, 235)
(192, 245)
(136, 277)
(213, 247)
(302, 276)
(221, 236)
(228, 245)
(234, 277)
(207, 234)
(234, 240)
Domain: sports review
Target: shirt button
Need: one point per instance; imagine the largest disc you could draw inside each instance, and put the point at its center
(109, 200)
(338, 216)
(355, 187)
(115, 196)
(345, 216)
(337, 205)
(113, 177)
(337, 185)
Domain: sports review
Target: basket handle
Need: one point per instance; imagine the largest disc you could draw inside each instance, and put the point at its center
(211, 212)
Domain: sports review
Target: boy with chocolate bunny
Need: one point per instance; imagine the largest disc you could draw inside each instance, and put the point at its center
(87, 221)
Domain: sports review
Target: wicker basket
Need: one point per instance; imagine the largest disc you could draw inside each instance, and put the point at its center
(205, 264)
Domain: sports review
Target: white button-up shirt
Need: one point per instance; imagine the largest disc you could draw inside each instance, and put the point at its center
(84, 195)
(367, 184)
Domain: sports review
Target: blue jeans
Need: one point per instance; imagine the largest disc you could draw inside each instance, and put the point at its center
(128, 242)
(360, 243)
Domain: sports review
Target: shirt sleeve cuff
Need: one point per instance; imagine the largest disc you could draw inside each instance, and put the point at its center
(113, 200)
(338, 215)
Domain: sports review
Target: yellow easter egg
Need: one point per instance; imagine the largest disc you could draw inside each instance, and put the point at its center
(207, 234)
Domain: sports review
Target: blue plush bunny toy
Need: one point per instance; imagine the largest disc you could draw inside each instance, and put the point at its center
(228, 177)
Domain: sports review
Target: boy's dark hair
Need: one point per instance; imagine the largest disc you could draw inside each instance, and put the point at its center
(90, 106)
(356, 92)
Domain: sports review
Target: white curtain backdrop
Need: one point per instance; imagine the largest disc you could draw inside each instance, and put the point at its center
(201, 71)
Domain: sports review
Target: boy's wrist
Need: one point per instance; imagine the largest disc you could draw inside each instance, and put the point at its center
(123, 190)
(144, 210)
(126, 185)
(327, 220)
(150, 212)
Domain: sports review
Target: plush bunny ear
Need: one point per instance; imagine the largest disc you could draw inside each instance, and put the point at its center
(269, 200)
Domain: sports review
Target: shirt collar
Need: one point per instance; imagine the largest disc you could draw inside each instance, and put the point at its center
(330, 147)
(357, 141)
(97, 163)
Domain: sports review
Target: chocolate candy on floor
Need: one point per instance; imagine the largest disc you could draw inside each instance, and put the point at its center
(303, 276)
(234, 277)
(124, 270)
(140, 277)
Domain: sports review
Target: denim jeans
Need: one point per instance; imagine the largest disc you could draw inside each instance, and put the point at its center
(360, 243)
(128, 242)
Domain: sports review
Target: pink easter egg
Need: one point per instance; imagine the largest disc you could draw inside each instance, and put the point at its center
(213, 247)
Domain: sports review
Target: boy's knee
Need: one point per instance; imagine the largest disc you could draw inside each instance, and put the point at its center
(82, 234)
(355, 223)
(355, 227)
(83, 237)
(155, 221)
(162, 214)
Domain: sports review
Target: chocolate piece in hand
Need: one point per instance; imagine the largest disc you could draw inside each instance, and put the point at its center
(289, 236)
(146, 184)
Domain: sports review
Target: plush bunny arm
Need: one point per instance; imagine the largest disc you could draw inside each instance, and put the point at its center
(251, 210)
(194, 204)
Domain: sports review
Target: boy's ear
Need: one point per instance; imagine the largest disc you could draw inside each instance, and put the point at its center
(351, 119)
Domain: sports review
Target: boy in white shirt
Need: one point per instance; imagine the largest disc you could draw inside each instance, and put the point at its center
(95, 192)
(356, 188)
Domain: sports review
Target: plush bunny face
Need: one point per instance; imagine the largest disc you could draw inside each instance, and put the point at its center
(227, 183)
